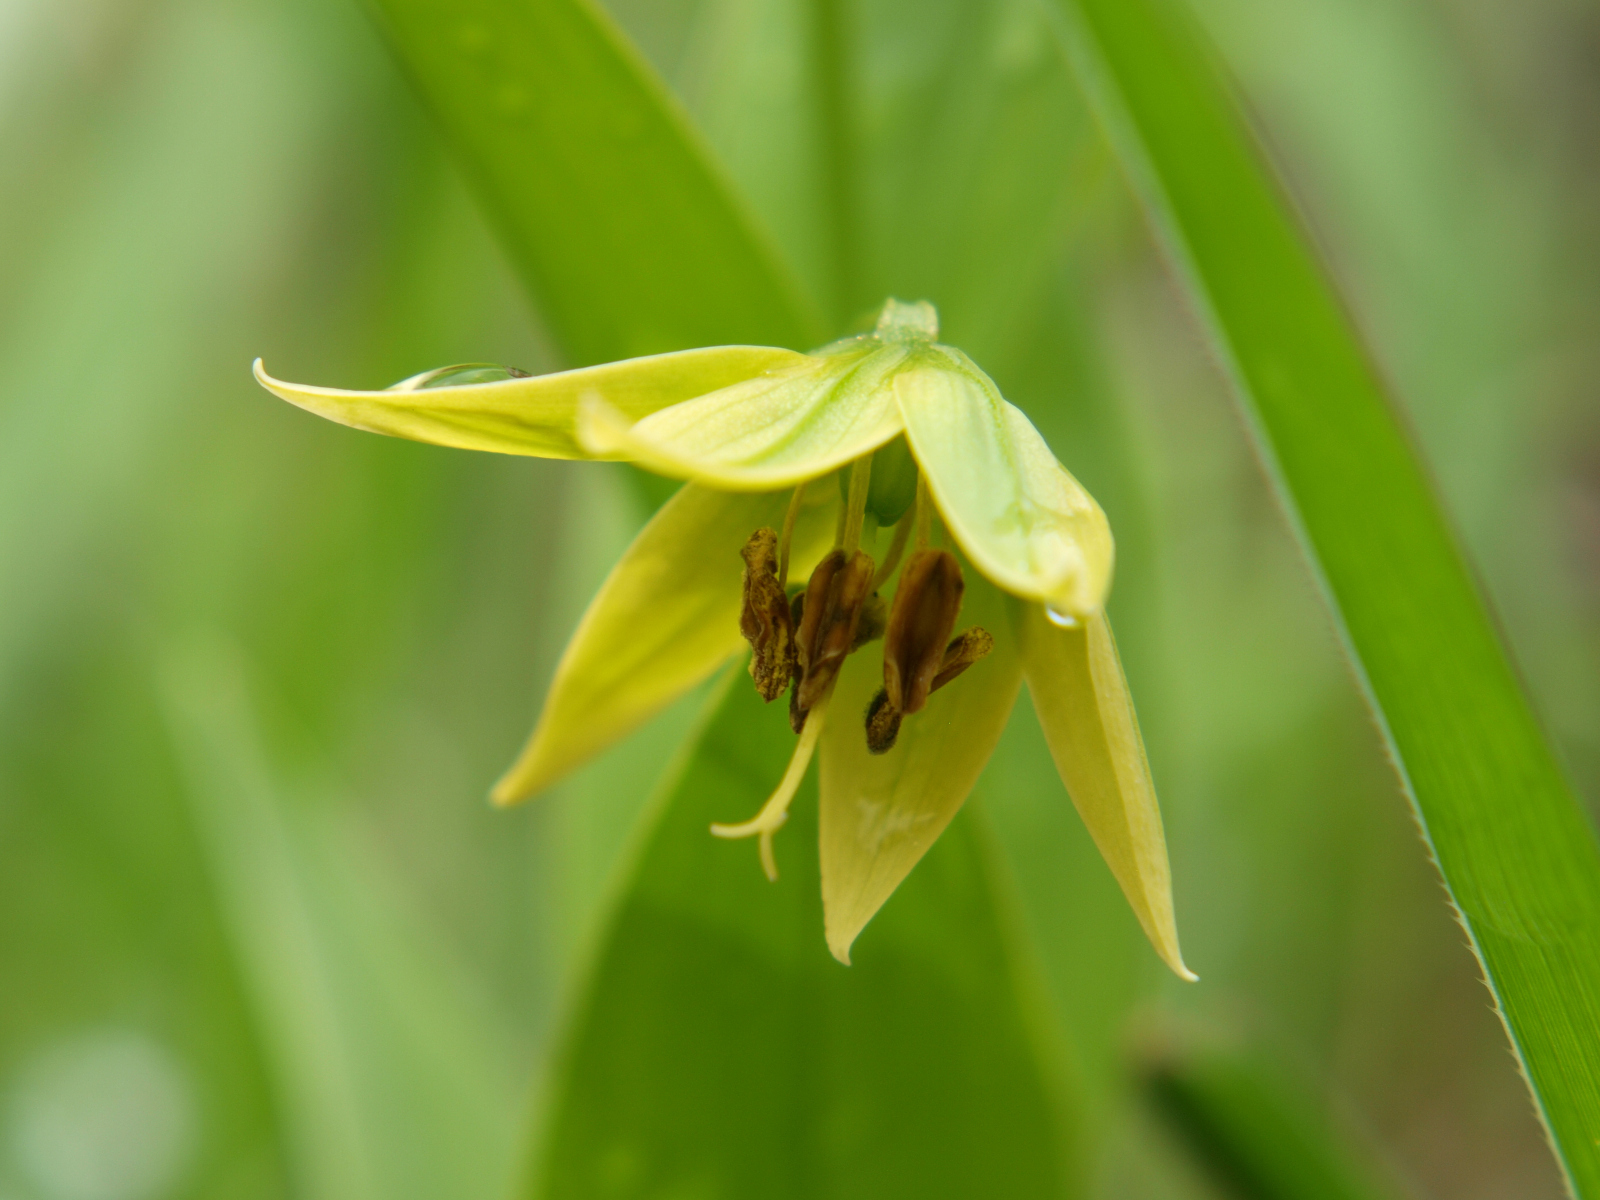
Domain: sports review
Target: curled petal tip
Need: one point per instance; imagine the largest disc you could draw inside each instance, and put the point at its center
(840, 949)
(507, 793)
(1173, 957)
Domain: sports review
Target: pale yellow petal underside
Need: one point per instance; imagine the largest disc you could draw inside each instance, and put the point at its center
(666, 617)
(1015, 511)
(788, 425)
(534, 416)
(1081, 697)
(880, 813)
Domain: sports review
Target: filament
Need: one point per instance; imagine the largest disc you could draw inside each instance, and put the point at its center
(924, 510)
(789, 519)
(776, 810)
(856, 509)
(891, 560)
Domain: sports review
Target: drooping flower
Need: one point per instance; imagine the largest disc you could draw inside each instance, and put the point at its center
(761, 546)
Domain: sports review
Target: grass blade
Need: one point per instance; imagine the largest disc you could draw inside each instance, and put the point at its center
(1515, 849)
(391, 1068)
(1260, 1137)
(609, 205)
(719, 1051)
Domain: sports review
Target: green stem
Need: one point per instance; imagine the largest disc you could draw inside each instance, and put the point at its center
(832, 71)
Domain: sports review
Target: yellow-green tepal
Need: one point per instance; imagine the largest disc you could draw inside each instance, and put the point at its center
(989, 531)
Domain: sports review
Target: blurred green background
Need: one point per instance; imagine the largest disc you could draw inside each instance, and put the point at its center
(260, 934)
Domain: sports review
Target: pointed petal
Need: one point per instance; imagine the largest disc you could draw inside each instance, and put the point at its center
(665, 618)
(533, 416)
(1022, 520)
(789, 425)
(1081, 696)
(880, 813)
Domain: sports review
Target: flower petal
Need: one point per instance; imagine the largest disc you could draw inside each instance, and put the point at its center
(534, 415)
(1081, 696)
(880, 813)
(1022, 520)
(788, 425)
(666, 617)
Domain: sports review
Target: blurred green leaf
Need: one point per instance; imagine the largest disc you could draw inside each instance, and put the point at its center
(719, 1051)
(1263, 1138)
(1516, 851)
(611, 208)
(391, 1070)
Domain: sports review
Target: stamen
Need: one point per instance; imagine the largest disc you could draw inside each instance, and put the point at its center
(967, 648)
(856, 509)
(924, 511)
(883, 717)
(829, 618)
(926, 605)
(787, 536)
(919, 656)
(902, 532)
(764, 617)
(776, 810)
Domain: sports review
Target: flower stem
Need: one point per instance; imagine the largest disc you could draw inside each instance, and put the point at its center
(831, 64)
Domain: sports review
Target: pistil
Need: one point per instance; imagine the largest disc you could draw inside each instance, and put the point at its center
(775, 811)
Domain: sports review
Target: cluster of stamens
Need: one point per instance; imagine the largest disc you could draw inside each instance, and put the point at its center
(800, 643)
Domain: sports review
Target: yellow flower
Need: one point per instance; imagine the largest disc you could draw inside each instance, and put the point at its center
(921, 440)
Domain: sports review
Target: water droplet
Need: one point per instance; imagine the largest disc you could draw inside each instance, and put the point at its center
(458, 376)
(1064, 620)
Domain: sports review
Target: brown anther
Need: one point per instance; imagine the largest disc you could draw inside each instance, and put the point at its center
(919, 656)
(883, 718)
(883, 723)
(926, 605)
(874, 620)
(765, 618)
(968, 647)
(797, 609)
(829, 618)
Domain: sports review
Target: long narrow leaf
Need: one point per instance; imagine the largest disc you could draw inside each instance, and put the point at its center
(1260, 1136)
(721, 1052)
(1515, 849)
(391, 1070)
(611, 208)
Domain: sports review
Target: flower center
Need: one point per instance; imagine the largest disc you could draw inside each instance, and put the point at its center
(800, 644)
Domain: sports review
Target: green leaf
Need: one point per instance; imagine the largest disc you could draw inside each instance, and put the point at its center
(610, 206)
(719, 1051)
(1260, 1136)
(389, 1065)
(1515, 849)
